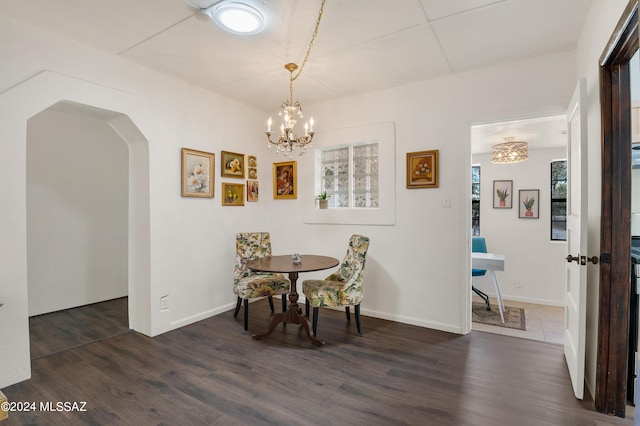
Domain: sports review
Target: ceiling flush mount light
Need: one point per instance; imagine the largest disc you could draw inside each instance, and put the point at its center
(288, 141)
(509, 152)
(238, 18)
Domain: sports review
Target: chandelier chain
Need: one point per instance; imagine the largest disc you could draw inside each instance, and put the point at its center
(313, 37)
(288, 141)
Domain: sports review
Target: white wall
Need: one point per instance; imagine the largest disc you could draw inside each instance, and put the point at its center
(530, 255)
(192, 240)
(601, 21)
(77, 190)
(418, 270)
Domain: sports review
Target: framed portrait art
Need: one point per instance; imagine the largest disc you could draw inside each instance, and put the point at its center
(285, 182)
(502, 194)
(422, 169)
(529, 207)
(232, 165)
(197, 173)
(252, 190)
(232, 194)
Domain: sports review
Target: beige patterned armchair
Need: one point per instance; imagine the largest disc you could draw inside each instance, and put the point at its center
(343, 287)
(248, 284)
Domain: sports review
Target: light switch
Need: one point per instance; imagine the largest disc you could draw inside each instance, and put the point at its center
(446, 203)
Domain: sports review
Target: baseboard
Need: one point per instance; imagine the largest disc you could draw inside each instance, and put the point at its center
(435, 325)
(201, 315)
(534, 301)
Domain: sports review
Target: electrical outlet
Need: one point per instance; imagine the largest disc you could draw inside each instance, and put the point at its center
(517, 282)
(164, 303)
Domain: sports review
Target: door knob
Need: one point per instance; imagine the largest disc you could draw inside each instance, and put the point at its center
(573, 259)
(593, 259)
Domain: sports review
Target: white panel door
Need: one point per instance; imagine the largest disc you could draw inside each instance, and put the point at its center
(576, 280)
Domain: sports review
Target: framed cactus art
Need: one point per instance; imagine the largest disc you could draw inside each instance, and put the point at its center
(502, 194)
(529, 206)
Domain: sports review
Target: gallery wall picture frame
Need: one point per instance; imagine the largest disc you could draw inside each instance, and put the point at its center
(252, 167)
(285, 180)
(232, 164)
(502, 194)
(529, 204)
(422, 169)
(197, 173)
(252, 190)
(232, 194)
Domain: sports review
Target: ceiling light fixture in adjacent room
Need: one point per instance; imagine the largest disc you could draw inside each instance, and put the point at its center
(509, 152)
(288, 141)
(237, 18)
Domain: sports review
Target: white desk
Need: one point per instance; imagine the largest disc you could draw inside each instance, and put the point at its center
(492, 262)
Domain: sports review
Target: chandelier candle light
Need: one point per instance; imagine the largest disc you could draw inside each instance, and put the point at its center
(288, 141)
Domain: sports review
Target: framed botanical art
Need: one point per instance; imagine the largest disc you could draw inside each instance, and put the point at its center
(252, 190)
(285, 183)
(529, 206)
(502, 194)
(197, 173)
(232, 194)
(232, 165)
(422, 169)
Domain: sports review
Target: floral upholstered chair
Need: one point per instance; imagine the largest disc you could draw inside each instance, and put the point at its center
(248, 284)
(343, 287)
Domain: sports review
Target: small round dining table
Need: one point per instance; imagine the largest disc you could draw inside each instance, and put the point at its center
(286, 265)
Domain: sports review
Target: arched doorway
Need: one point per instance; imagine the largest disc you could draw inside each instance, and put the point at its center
(17, 105)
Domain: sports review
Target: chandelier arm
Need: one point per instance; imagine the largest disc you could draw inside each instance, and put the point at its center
(313, 37)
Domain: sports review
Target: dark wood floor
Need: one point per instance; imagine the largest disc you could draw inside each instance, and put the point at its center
(63, 330)
(213, 373)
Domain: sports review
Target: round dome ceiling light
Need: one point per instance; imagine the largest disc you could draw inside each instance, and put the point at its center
(238, 18)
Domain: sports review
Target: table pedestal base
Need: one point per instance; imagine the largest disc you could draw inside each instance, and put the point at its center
(293, 315)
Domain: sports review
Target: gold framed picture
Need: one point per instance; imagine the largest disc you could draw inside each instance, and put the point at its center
(232, 194)
(285, 181)
(197, 173)
(232, 165)
(252, 190)
(422, 169)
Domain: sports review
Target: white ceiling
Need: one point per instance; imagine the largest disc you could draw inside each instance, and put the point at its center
(539, 133)
(362, 45)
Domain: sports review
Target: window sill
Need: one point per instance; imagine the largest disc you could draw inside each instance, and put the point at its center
(350, 216)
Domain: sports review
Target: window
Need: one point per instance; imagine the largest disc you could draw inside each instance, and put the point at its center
(559, 200)
(349, 175)
(370, 177)
(475, 200)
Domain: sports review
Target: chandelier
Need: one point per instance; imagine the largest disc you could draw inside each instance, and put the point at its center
(509, 152)
(290, 111)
